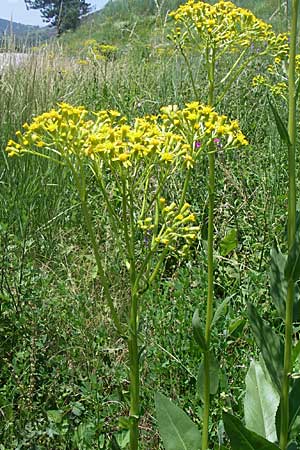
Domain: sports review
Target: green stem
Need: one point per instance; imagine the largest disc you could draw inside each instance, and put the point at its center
(133, 350)
(79, 177)
(284, 425)
(134, 375)
(210, 297)
(101, 273)
(184, 190)
(235, 76)
(189, 68)
(210, 57)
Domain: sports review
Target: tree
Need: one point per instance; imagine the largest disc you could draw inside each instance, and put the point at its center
(62, 14)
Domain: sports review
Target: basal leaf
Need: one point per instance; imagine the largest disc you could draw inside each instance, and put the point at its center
(294, 403)
(243, 439)
(278, 284)
(236, 326)
(270, 345)
(261, 402)
(55, 415)
(282, 129)
(229, 242)
(221, 310)
(214, 370)
(292, 267)
(296, 352)
(197, 330)
(177, 430)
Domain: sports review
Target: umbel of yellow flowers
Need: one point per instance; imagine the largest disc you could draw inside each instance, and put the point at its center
(224, 27)
(175, 137)
(141, 155)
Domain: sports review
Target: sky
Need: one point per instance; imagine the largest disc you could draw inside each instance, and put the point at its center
(16, 10)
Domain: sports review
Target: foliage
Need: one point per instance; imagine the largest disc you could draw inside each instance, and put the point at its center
(62, 15)
(60, 354)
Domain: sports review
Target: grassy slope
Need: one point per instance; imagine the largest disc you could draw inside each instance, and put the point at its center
(121, 21)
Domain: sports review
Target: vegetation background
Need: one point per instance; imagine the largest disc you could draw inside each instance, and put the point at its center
(63, 382)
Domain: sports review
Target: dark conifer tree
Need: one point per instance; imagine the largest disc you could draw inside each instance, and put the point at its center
(63, 14)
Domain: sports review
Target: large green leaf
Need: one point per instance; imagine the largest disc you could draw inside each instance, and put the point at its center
(243, 439)
(294, 403)
(177, 430)
(229, 242)
(281, 127)
(278, 284)
(261, 402)
(197, 330)
(270, 345)
(221, 310)
(292, 267)
(214, 370)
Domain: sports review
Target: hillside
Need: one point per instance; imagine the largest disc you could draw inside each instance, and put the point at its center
(19, 29)
(124, 21)
(24, 34)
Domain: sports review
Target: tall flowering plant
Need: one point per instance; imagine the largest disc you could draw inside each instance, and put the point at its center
(213, 32)
(221, 29)
(132, 163)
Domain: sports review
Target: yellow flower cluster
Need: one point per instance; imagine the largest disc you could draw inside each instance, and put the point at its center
(202, 130)
(276, 78)
(152, 148)
(177, 225)
(97, 52)
(224, 26)
(176, 137)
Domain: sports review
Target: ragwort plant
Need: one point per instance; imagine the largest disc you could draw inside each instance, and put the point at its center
(131, 165)
(213, 32)
(272, 403)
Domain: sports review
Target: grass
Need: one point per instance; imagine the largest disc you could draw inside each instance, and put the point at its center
(63, 384)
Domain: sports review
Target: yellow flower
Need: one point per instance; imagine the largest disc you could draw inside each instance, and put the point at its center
(167, 157)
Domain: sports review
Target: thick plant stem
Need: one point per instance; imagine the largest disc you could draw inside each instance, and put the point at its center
(134, 374)
(133, 350)
(210, 297)
(284, 425)
(210, 57)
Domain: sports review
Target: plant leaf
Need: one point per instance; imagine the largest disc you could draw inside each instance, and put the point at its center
(292, 267)
(282, 129)
(214, 377)
(296, 352)
(236, 326)
(221, 310)
(294, 403)
(270, 345)
(243, 439)
(261, 402)
(177, 430)
(229, 242)
(55, 415)
(278, 284)
(197, 330)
